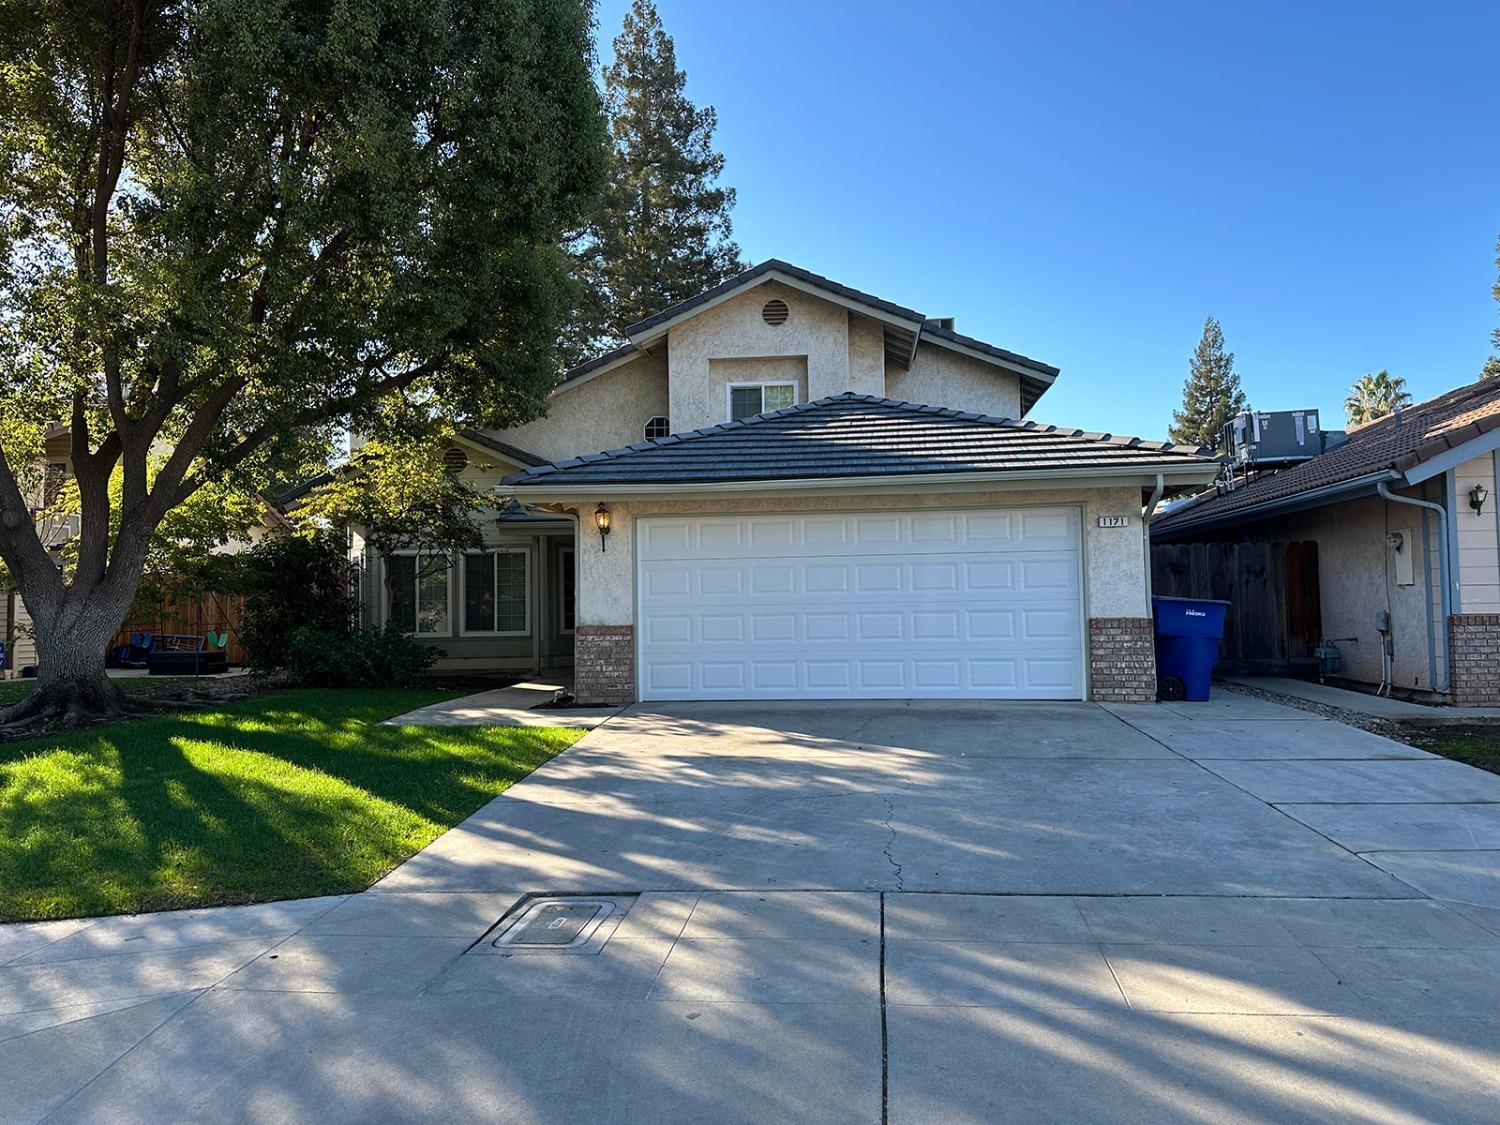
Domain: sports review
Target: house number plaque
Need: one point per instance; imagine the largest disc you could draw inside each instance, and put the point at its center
(1114, 521)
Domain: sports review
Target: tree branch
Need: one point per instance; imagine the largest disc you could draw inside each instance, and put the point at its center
(20, 546)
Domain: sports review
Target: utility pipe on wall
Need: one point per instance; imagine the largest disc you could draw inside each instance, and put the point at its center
(1445, 569)
(1161, 486)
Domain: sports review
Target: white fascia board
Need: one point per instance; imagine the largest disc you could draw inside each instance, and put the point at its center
(1453, 458)
(602, 369)
(925, 482)
(656, 331)
(489, 452)
(985, 357)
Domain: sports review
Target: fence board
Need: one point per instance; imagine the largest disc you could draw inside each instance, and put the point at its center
(216, 613)
(1272, 590)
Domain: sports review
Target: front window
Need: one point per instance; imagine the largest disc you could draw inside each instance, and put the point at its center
(495, 592)
(749, 399)
(418, 591)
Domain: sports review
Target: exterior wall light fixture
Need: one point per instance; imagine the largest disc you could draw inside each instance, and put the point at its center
(1477, 496)
(601, 521)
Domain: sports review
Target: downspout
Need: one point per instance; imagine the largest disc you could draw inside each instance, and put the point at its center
(1161, 486)
(1445, 570)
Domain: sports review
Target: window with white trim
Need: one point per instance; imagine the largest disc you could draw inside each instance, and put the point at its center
(417, 591)
(495, 591)
(749, 399)
(658, 427)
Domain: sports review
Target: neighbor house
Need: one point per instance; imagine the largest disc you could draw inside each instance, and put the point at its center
(1407, 544)
(787, 488)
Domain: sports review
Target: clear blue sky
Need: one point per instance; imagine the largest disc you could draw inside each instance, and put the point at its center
(1084, 182)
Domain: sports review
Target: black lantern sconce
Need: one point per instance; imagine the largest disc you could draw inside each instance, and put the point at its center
(1477, 496)
(601, 521)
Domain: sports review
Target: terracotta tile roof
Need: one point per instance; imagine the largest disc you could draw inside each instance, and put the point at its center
(852, 435)
(1426, 430)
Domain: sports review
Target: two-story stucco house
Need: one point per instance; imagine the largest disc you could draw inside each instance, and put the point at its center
(787, 488)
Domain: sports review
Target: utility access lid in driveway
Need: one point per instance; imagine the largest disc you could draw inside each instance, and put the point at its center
(557, 924)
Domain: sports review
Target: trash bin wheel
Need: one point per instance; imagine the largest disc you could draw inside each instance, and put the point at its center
(1170, 689)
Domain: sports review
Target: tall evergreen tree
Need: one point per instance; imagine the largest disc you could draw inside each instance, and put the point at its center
(1212, 395)
(662, 232)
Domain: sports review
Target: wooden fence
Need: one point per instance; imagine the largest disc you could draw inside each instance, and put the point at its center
(1274, 618)
(217, 613)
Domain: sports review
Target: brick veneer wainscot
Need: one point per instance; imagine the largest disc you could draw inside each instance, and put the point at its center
(1122, 660)
(604, 663)
(1476, 659)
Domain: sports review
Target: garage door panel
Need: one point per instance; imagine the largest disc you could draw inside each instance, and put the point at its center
(812, 622)
(941, 604)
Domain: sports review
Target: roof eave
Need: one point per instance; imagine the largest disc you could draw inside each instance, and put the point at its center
(643, 336)
(1486, 441)
(1144, 476)
(1351, 489)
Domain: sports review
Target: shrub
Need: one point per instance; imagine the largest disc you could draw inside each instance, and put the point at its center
(292, 582)
(360, 659)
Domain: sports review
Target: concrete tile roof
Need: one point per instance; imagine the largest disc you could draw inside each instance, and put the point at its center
(852, 435)
(1426, 430)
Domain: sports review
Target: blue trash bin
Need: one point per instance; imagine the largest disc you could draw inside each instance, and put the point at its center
(1187, 645)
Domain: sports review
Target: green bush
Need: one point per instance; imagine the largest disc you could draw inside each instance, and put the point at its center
(292, 582)
(385, 658)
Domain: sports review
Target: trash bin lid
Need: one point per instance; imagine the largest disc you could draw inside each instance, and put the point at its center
(1196, 601)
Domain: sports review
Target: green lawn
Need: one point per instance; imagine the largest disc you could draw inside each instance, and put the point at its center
(282, 796)
(1474, 745)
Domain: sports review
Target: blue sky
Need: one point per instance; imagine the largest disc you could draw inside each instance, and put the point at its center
(1084, 182)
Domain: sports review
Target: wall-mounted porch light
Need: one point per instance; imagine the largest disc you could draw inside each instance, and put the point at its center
(1477, 496)
(601, 521)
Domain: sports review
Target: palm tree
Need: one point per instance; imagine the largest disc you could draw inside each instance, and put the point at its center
(1375, 396)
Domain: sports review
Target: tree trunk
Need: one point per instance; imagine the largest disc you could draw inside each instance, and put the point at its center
(72, 642)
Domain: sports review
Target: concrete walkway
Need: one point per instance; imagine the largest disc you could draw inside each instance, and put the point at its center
(513, 706)
(842, 913)
(1363, 703)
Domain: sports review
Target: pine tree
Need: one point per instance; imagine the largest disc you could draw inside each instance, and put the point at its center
(1212, 395)
(662, 232)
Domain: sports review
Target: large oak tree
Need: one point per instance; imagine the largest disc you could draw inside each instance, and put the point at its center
(225, 224)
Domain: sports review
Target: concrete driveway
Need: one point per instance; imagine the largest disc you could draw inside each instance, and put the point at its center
(841, 912)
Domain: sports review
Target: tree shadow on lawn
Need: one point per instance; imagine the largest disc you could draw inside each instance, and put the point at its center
(251, 803)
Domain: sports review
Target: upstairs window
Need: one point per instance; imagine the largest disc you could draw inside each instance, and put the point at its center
(658, 427)
(749, 399)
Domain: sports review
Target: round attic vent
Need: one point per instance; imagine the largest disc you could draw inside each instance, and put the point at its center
(775, 312)
(455, 460)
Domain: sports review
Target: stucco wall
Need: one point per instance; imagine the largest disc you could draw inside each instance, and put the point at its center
(815, 329)
(939, 377)
(1357, 579)
(1114, 559)
(866, 356)
(763, 369)
(1478, 537)
(609, 411)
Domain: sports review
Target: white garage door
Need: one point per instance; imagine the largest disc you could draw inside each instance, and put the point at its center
(977, 604)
